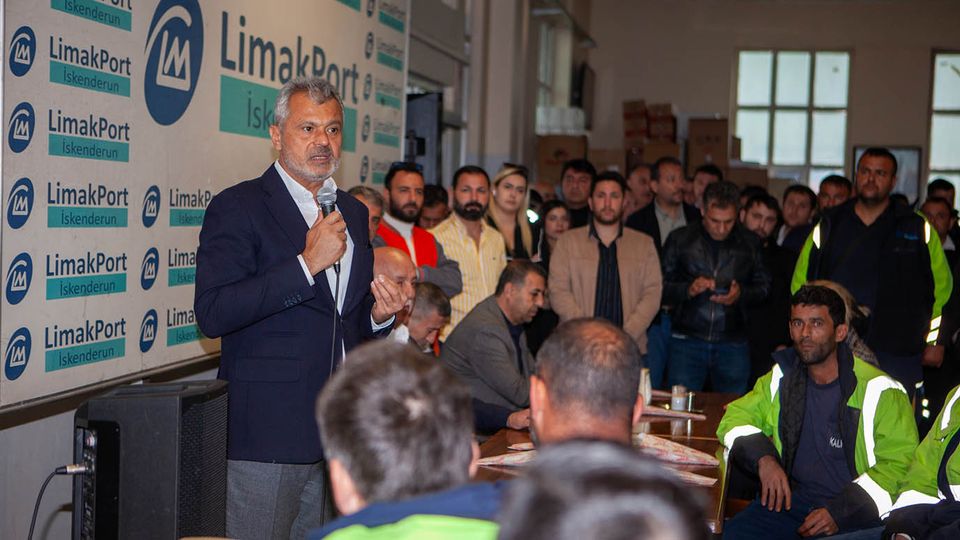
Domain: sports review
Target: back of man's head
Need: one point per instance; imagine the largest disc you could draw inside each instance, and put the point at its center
(590, 370)
(595, 490)
(400, 424)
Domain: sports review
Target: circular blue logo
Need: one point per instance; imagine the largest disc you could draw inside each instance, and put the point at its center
(19, 276)
(148, 330)
(364, 169)
(365, 130)
(20, 203)
(148, 268)
(367, 87)
(20, 129)
(174, 51)
(23, 47)
(17, 354)
(151, 206)
(368, 46)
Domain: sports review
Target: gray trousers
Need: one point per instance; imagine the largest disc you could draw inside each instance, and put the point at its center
(276, 501)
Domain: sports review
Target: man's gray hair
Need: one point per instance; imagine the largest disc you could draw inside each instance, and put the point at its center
(319, 89)
(371, 195)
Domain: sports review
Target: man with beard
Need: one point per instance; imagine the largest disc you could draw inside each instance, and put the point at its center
(712, 272)
(488, 349)
(403, 192)
(465, 238)
(892, 262)
(605, 270)
(829, 436)
(768, 320)
(289, 291)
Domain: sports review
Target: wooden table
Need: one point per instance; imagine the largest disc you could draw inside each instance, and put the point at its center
(699, 435)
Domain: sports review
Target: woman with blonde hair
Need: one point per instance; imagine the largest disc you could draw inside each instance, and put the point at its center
(507, 212)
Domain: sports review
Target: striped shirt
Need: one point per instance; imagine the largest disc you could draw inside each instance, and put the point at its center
(480, 268)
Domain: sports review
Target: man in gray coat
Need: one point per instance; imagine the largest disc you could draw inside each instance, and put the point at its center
(488, 349)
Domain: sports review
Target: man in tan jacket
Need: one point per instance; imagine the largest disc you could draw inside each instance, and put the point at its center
(604, 270)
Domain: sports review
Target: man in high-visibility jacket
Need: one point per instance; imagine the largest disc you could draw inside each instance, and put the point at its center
(829, 435)
(927, 506)
(891, 260)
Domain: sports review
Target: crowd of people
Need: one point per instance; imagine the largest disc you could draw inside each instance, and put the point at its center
(508, 302)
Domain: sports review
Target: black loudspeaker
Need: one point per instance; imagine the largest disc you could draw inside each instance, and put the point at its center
(159, 456)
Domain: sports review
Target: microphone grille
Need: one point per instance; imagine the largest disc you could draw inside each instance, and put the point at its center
(327, 195)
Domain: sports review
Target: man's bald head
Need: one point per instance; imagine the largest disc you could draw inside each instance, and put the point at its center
(396, 266)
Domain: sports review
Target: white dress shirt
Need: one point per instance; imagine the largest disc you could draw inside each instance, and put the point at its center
(307, 204)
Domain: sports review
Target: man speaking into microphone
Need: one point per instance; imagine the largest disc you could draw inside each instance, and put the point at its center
(266, 284)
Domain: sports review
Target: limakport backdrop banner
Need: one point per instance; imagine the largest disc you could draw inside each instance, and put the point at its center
(123, 119)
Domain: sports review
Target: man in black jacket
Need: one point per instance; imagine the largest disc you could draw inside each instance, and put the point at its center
(658, 219)
(712, 271)
(892, 262)
(768, 320)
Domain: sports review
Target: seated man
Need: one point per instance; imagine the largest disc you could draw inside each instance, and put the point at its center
(585, 386)
(842, 432)
(430, 313)
(397, 430)
(396, 266)
(927, 506)
(488, 349)
(607, 491)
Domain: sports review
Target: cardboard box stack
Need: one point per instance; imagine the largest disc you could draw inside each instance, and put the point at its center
(634, 123)
(707, 142)
(661, 123)
(607, 160)
(554, 150)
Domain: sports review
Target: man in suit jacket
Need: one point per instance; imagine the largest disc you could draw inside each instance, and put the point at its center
(658, 219)
(488, 349)
(264, 285)
(667, 212)
(605, 270)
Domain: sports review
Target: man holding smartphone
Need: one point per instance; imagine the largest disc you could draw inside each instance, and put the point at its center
(712, 271)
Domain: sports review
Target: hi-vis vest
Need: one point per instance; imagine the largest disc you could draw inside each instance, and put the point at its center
(919, 486)
(886, 433)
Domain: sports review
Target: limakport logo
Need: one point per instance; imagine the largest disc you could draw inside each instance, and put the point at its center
(148, 268)
(23, 48)
(174, 51)
(148, 330)
(17, 354)
(19, 276)
(20, 129)
(20, 203)
(151, 206)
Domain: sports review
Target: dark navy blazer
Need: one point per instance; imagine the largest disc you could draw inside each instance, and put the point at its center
(276, 329)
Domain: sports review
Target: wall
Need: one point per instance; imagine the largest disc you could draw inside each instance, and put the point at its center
(684, 52)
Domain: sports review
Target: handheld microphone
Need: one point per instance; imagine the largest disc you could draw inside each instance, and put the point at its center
(327, 200)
